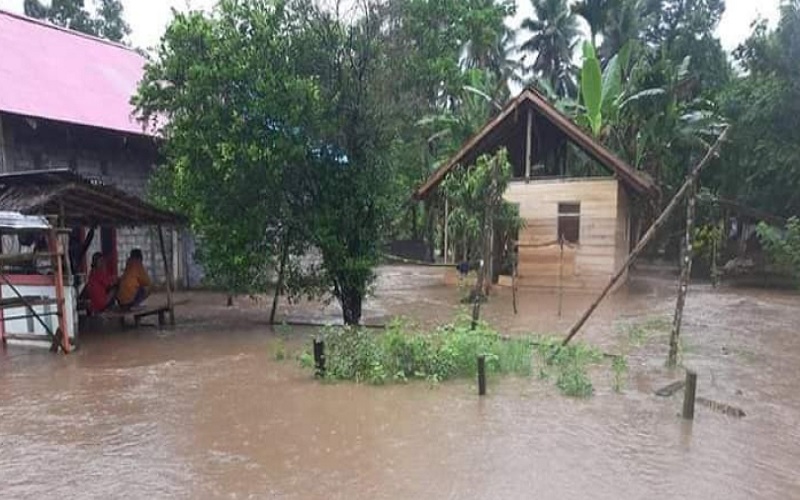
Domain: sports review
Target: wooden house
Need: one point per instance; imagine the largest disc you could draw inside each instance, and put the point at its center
(568, 188)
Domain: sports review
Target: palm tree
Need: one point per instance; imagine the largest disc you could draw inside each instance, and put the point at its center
(622, 25)
(554, 33)
(595, 13)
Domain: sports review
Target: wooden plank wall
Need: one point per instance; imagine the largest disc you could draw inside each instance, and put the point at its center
(587, 265)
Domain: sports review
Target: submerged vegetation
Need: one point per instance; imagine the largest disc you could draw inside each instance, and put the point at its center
(403, 353)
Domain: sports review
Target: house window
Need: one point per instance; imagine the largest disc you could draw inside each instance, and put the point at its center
(569, 222)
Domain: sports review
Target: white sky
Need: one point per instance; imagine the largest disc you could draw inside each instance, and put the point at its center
(148, 18)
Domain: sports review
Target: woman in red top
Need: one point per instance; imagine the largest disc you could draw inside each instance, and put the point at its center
(101, 285)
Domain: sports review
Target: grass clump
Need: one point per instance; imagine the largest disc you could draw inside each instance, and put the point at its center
(568, 365)
(402, 353)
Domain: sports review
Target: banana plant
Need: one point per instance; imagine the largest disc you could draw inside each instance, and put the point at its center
(602, 91)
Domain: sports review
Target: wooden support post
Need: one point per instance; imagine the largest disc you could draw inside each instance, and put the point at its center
(686, 275)
(481, 375)
(561, 275)
(446, 228)
(319, 358)
(648, 236)
(528, 140)
(57, 252)
(514, 272)
(168, 276)
(689, 395)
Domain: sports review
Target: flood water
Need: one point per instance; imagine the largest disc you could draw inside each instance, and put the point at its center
(206, 411)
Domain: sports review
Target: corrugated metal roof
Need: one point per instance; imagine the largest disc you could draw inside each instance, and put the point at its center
(15, 220)
(83, 202)
(58, 74)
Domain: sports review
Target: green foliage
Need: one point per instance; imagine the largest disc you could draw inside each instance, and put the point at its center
(476, 201)
(401, 353)
(783, 245)
(592, 88)
(619, 366)
(707, 243)
(553, 34)
(107, 22)
(568, 365)
(235, 119)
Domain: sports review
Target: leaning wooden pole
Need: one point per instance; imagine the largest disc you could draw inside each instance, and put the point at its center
(648, 236)
(686, 274)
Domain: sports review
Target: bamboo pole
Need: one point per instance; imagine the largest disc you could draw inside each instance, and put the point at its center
(686, 275)
(167, 274)
(648, 236)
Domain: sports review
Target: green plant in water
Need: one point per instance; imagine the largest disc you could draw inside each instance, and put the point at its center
(402, 353)
(568, 365)
(619, 366)
(278, 349)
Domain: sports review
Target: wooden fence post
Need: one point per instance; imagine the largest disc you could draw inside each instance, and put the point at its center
(481, 375)
(319, 358)
(689, 395)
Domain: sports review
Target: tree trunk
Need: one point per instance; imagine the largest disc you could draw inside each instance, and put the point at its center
(414, 227)
(686, 274)
(279, 284)
(350, 300)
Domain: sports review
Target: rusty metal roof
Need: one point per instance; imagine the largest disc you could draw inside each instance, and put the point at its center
(84, 202)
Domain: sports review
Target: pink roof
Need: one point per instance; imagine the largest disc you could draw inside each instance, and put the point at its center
(57, 74)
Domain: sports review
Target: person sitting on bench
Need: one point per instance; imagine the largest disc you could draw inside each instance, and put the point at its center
(101, 286)
(134, 285)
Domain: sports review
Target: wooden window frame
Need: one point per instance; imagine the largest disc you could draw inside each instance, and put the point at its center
(571, 232)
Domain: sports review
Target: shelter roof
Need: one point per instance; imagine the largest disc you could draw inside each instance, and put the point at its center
(84, 202)
(58, 74)
(492, 135)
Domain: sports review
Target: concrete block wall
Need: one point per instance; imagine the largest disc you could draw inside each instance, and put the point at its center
(124, 168)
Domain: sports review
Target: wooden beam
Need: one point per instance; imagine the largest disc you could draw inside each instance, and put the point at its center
(446, 228)
(56, 250)
(662, 219)
(528, 132)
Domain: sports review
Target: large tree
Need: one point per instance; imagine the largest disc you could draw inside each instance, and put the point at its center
(106, 22)
(234, 114)
(762, 159)
(553, 35)
(276, 123)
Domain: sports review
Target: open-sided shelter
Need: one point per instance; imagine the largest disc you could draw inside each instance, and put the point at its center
(75, 204)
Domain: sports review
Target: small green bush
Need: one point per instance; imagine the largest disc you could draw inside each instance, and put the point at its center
(568, 365)
(402, 353)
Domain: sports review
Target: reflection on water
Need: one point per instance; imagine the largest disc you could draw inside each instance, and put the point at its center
(206, 412)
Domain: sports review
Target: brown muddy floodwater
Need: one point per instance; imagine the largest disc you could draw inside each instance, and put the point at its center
(205, 410)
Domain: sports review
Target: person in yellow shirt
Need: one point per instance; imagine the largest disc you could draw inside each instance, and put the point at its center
(134, 284)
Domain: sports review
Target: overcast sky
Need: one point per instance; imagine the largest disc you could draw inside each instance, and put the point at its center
(148, 18)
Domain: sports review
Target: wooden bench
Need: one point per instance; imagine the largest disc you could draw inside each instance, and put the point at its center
(137, 313)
